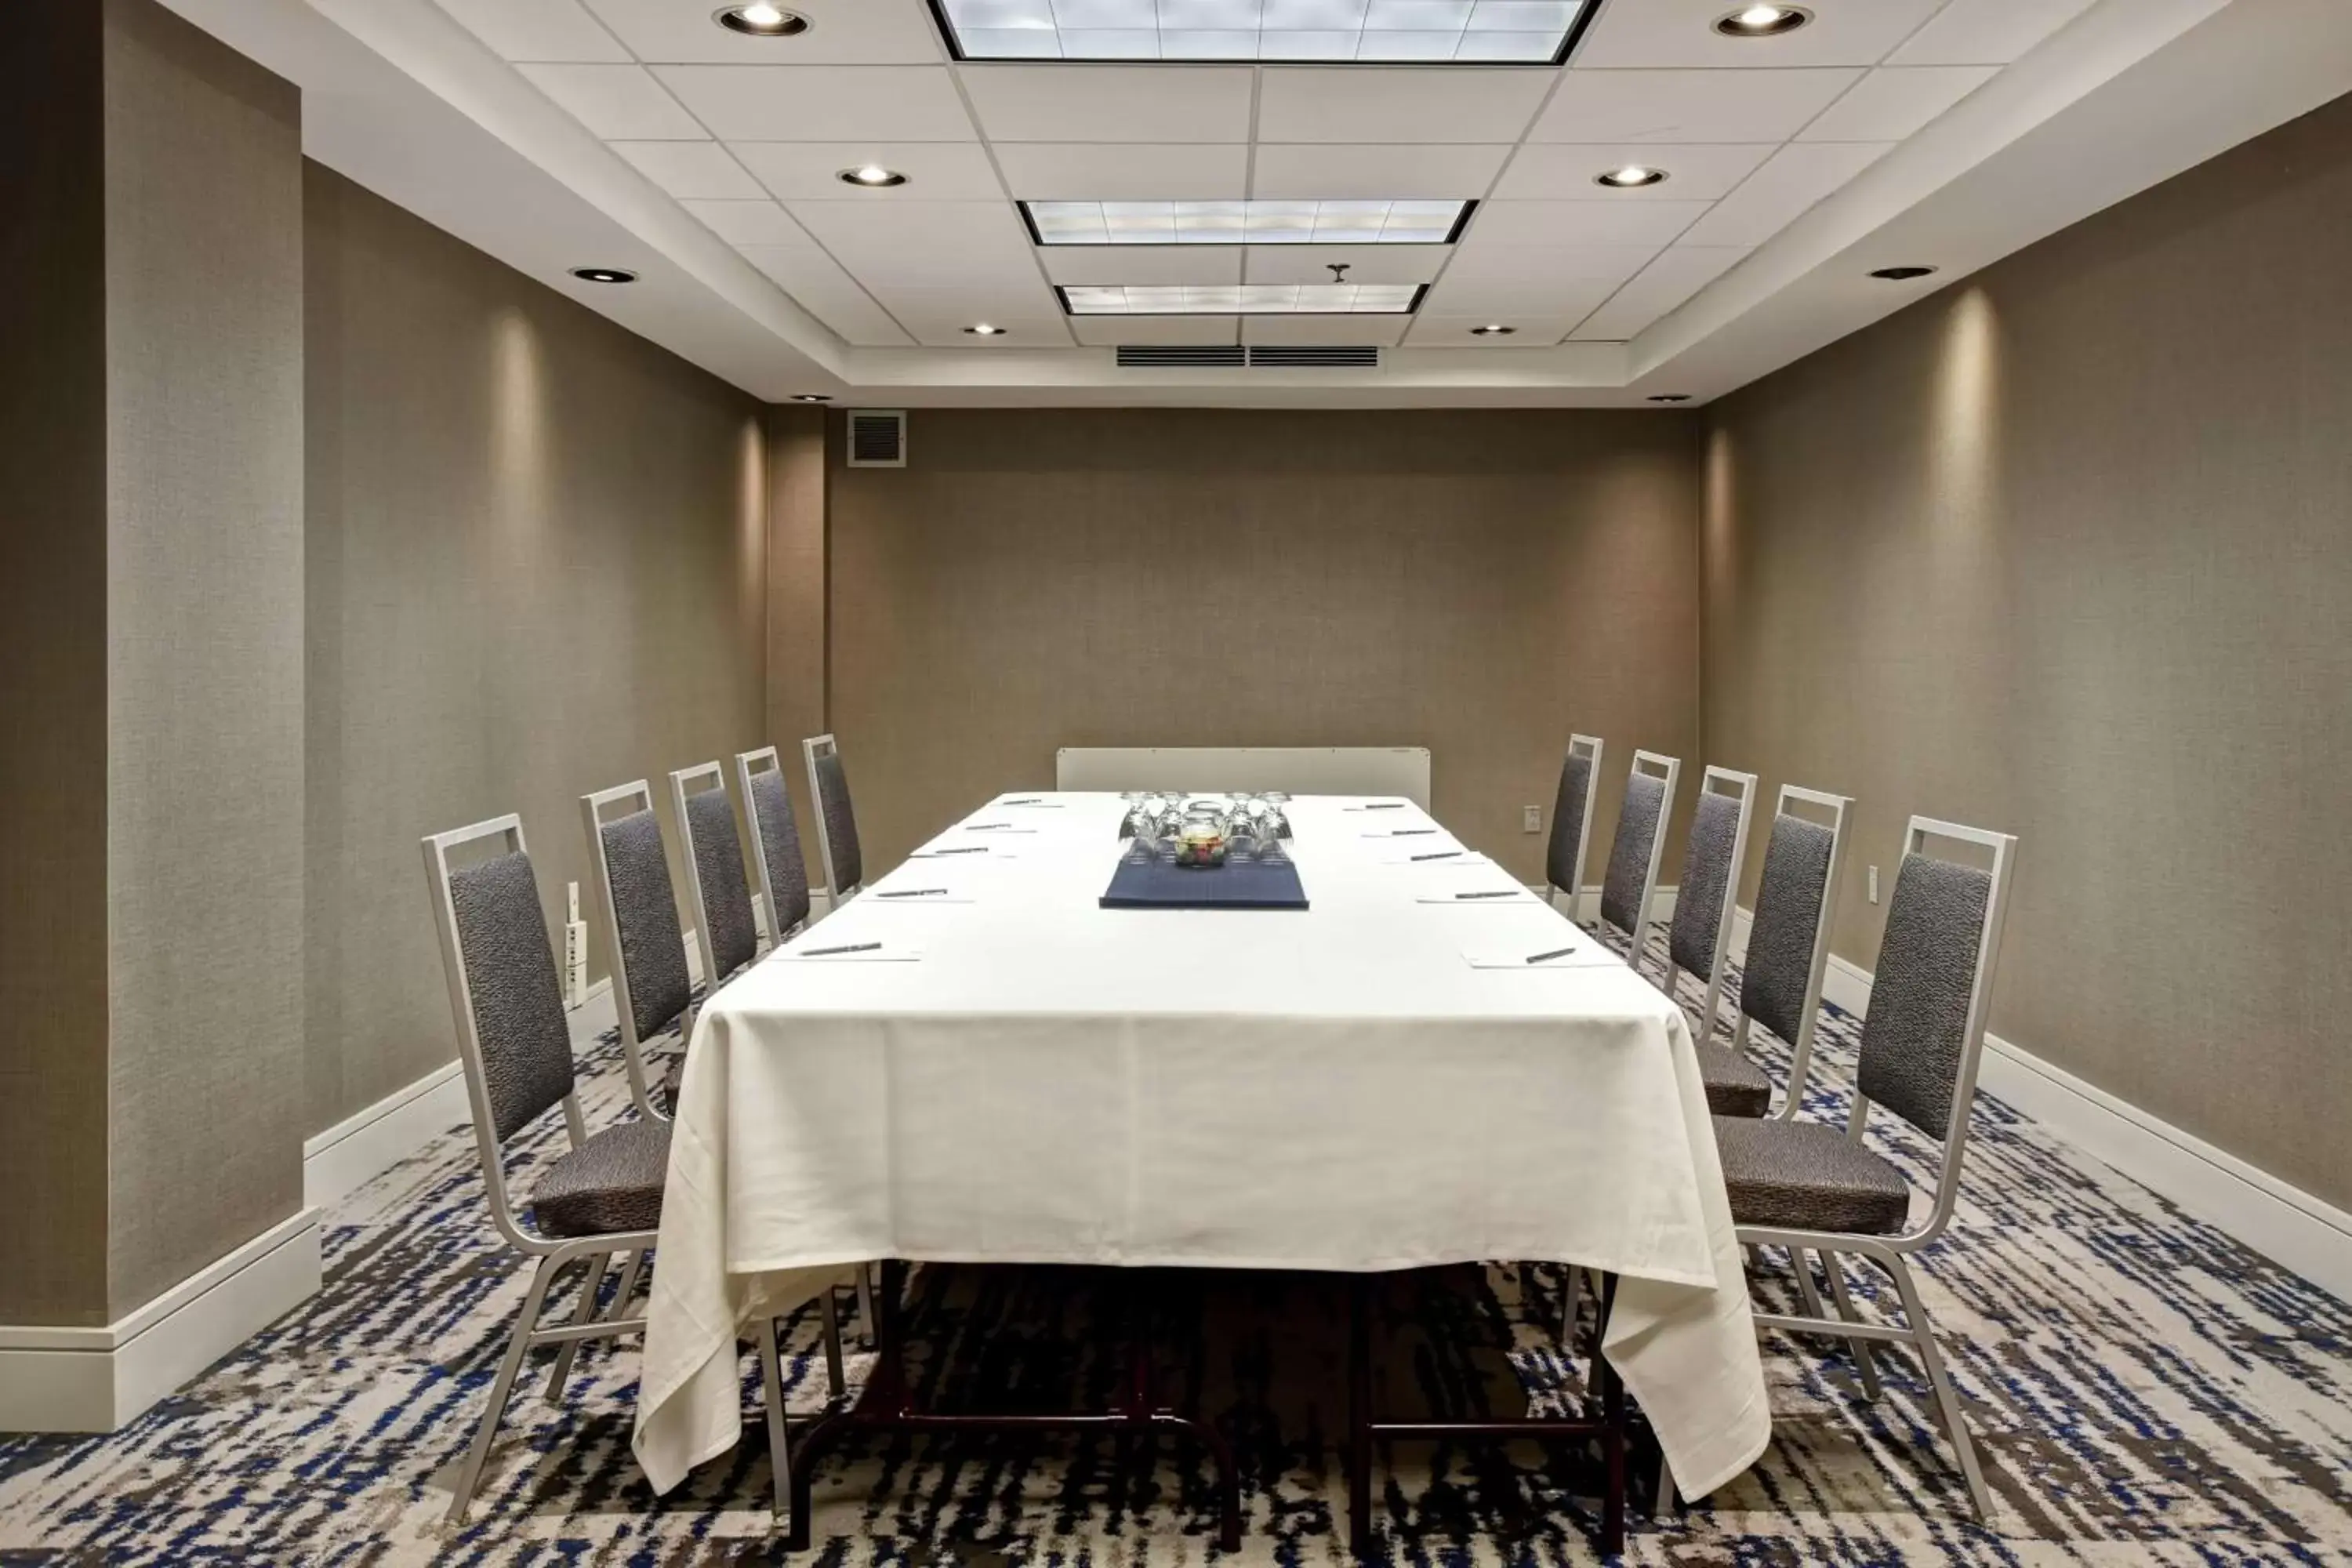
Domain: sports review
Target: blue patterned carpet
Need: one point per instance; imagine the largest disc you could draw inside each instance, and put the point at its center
(2143, 1390)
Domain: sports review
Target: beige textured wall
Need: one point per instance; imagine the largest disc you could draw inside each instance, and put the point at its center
(1477, 583)
(2066, 550)
(53, 654)
(537, 567)
(796, 593)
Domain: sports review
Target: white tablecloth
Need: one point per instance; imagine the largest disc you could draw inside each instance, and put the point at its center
(1338, 1089)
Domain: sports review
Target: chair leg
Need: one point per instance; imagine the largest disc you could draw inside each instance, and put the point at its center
(1948, 1400)
(1806, 1291)
(772, 1379)
(865, 1304)
(629, 1282)
(1865, 1360)
(469, 1474)
(564, 1353)
(835, 1379)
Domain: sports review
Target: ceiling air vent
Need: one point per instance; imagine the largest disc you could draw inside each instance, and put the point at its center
(1179, 356)
(1283, 356)
(878, 437)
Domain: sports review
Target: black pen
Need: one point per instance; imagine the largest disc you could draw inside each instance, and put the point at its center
(1495, 893)
(1024, 800)
(1547, 957)
(985, 826)
(829, 952)
(1383, 805)
(911, 893)
(1439, 855)
(1410, 832)
(959, 849)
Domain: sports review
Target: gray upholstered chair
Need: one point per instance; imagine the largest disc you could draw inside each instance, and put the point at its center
(1571, 823)
(1632, 877)
(718, 894)
(651, 987)
(1807, 1186)
(836, 823)
(775, 841)
(1788, 942)
(1698, 939)
(602, 1197)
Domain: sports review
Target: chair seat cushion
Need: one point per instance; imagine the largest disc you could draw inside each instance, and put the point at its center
(1803, 1176)
(1735, 1085)
(611, 1182)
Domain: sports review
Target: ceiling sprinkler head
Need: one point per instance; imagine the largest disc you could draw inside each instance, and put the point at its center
(1339, 270)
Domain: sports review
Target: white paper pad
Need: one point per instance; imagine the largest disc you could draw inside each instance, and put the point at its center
(893, 896)
(889, 953)
(995, 827)
(961, 852)
(1585, 953)
(1391, 805)
(1431, 833)
(1456, 859)
(1504, 897)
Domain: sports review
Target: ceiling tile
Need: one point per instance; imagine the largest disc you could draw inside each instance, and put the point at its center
(617, 103)
(1677, 274)
(1366, 104)
(1076, 172)
(1336, 170)
(1365, 263)
(1323, 331)
(811, 171)
(689, 170)
(1985, 32)
(761, 222)
(1667, 33)
(1892, 102)
(1688, 105)
(807, 103)
(1653, 224)
(538, 29)
(1454, 331)
(1110, 103)
(923, 245)
(1160, 264)
(841, 32)
(1564, 171)
(1794, 178)
(1167, 331)
(1032, 318)
(1511, 303)
(1502, 282)
(826, 292)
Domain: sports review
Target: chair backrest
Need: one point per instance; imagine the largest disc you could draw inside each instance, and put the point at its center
(1924, 1034)
(1709, 891)
(504, 995)
(775, 839)
(651, 986)
(1571, 817)
(836, 824)
(1788, 940)
(715, 884)
(1641, 836)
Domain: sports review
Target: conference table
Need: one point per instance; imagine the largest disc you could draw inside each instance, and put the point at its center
(1004, 1071)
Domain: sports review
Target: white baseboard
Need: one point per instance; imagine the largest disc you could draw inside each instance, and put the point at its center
(355, 1151)
(2280, 1221)
(98, 1379)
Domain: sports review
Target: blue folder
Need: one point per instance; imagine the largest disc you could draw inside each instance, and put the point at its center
(1248, 886)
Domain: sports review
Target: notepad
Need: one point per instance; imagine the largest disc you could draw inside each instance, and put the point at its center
(887, 952)
(1488, 897)
(1583, 953)
(1439, 855)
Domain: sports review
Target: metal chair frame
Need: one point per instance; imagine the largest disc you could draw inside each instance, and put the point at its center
(1670, 769)
(1800, 1050)
(812, 748)
(1742, 788)
(748, 765)
(553, 1254)
(1589, 748)
(683, 783)
(637, 796)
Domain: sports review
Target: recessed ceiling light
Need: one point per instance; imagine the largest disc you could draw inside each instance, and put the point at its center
(1762, 21)
(1670, 397)
(1248, 222)
(1901, 274)
(1493, 329)
(1324, 32)
(872, 175)
(1243, 299)
(812, 397)
(983, 329)
(1629, 176)
(762, 20)
(603, 275)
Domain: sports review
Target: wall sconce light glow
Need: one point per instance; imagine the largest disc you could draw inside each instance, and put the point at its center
(1762, 21)
(1633, 176)
(983, 329)
(762, 19)
(603, 275)
(873, 176)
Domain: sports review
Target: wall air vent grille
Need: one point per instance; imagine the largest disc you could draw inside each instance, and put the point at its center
(1285, 356)
(1181, 356)
(878, 438)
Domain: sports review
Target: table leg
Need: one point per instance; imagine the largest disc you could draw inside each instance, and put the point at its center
(1359, 1417)
(1612, 1436)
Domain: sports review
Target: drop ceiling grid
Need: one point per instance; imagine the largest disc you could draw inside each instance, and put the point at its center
(655, 78)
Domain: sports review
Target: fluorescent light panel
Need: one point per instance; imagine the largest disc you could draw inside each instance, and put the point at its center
(1244, 223)
(1241, 299)
(1366, 31)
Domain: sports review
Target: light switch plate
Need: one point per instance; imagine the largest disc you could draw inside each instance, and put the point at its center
(1531, 819)
(1874, 884)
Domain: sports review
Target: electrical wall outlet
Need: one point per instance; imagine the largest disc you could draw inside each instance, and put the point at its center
(575, 948)
(1531, 819)
(1874, 884)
